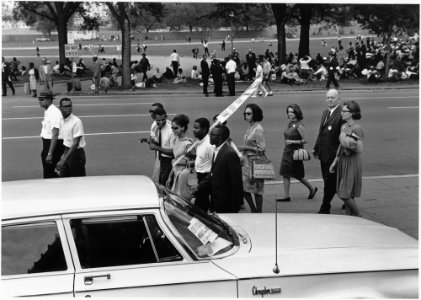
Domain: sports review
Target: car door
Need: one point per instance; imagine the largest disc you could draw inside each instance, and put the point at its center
(134, 254)
(35, 258)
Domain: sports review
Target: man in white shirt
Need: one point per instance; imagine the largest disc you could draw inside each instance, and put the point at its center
(72, 163)
(203, 161)
(164, 144)
(175, 61)
(267, 69)
(52, 142)
(230, 67)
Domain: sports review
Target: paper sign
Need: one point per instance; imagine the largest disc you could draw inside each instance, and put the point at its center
(201, 231)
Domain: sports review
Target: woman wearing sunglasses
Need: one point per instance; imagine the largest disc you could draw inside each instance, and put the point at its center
(347, 163)
(254, 145)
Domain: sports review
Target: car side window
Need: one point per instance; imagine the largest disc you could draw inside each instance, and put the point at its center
(115, 241)
(31, 248)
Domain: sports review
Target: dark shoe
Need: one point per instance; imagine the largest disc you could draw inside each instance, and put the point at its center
(324, 212)
(287, 199)
(343, 206)
(311, 196)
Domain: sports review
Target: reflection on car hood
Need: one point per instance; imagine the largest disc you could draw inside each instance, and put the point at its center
(318, 244)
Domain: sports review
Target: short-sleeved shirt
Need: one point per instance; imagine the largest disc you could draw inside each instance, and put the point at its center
(52, 119)
(204, 153)
(73, 128)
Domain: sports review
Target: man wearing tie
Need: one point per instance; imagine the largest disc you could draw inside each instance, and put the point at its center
(327, 143)
(225, 180)
(163, 145)
(205, 74)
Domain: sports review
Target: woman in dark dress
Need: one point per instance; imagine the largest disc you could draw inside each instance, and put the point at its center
(295, 138)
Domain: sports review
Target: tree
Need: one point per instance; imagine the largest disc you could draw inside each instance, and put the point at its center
(120, 11)
(146, 15)
(387, 19)
(57, 12)
(280, 12)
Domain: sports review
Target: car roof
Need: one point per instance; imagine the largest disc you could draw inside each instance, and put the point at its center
(41, 197)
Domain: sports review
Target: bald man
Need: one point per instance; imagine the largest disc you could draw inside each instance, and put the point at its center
(327, 143)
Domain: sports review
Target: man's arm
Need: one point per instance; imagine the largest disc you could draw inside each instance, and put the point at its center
(53, 143)
(69, 152)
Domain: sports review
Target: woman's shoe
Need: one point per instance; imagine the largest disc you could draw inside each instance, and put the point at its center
(311, 196)
(287, 199)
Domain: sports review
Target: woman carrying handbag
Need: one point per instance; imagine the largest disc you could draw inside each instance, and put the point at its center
(295, 138)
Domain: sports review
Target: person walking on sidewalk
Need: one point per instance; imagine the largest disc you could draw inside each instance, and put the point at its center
(259, 74)
(5, 76)
(295, 138)
(33, 79)
(73, 160)
(327, 143)
(205, 74)
(347, 163)
(52, 142)
(96, 69)
(46, 74)
(254, 147)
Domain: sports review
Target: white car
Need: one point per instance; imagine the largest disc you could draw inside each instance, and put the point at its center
(42, 39)
(126, 236)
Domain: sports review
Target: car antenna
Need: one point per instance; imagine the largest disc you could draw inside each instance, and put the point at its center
(276, 268)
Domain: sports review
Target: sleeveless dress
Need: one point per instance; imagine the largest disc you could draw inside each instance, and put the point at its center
(289, 167)
(183, 176)
(349, 168)
(254, 137)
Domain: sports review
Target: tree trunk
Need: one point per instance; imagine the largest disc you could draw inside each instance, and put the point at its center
(280, 14)
(62, 39)
(125, 53)
(305, 16)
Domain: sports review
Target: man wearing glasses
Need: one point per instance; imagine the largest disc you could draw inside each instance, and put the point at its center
(327, 143)
(72, 163)
(52, 142)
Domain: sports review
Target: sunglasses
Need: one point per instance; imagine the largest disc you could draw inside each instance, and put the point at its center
(174, 128)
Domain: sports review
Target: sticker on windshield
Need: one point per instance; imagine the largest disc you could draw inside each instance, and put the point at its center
(201, 231)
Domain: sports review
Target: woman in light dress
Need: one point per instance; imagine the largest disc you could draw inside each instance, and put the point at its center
(33, 75)
(181, 179)
(347, 163)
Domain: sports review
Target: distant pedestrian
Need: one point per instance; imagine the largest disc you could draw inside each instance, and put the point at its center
(347, 163)
(175, 61)
(223, 45)
(230, 67)
(332, 67)
(205, 74)
(205, 47)
(52, 142)
(5, 76)
(72, 163)
(37, 50)
(217, 71)
(33, 75)
(46, 74)
(144, 66)
(259, 75)
(96, 69)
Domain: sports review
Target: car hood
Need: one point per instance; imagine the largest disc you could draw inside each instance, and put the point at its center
(317, 244)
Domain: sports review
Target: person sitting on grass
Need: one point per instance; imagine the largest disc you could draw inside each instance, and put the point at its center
(195, 74)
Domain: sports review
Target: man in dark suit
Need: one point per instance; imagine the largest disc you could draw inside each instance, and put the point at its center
(332, 68)
(327, 143)
(5, 76)
(225, 180)
(205, 74)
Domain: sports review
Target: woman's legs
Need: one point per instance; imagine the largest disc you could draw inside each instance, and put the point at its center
(287, 183)
(307, 184)
(259, 202)
(351, 207)
(250, 202)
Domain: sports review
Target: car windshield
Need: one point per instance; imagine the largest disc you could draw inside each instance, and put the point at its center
(205, 235)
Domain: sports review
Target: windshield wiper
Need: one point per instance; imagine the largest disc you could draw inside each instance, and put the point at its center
(225, 226)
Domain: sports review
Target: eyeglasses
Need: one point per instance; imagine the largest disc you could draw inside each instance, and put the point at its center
(174, 128)
(247, 114)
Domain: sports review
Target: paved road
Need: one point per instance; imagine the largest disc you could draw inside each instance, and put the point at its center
(112, 124)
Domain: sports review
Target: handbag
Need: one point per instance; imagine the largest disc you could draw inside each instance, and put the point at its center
(262, 168)
(301, 154)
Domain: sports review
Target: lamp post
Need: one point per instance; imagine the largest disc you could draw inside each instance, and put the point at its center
(231, 15)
